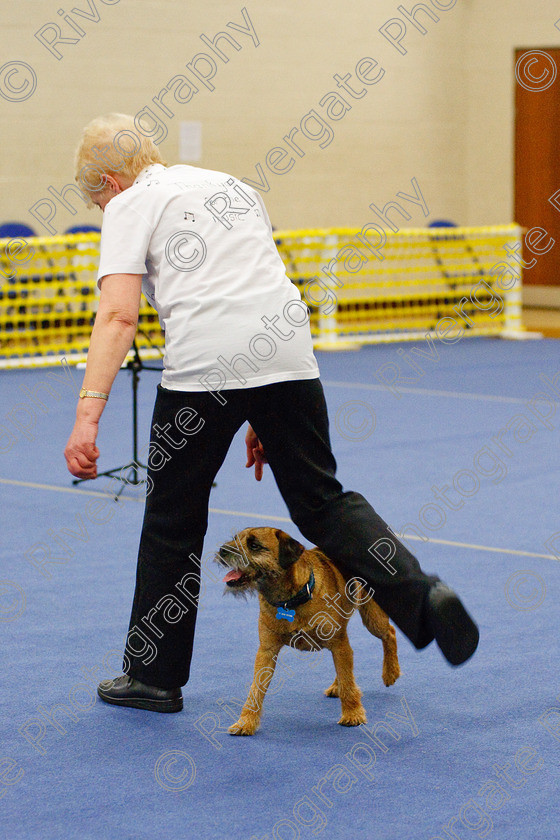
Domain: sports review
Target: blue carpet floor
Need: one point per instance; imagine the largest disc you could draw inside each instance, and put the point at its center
(461, 454)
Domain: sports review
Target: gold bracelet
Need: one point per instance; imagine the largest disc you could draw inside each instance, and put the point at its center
(98, 394)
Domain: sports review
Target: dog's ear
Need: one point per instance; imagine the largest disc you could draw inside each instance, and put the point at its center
(289, 550)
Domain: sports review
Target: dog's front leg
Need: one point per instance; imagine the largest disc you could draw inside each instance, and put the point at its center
(353, 713)
(250, 718)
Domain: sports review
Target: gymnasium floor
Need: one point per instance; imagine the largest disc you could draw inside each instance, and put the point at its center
(460, 753)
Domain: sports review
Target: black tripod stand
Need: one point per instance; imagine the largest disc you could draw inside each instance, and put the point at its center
(129, 473)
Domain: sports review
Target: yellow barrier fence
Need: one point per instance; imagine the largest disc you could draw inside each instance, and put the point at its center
(369, 285)
(48, 301)
(361, 286)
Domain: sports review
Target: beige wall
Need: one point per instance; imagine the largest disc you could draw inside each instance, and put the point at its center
(442, 113)
(495, 30)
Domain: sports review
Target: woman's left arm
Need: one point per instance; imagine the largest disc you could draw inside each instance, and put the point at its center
(111, 339)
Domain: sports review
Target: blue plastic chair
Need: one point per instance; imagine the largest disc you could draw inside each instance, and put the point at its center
(11, 230)
(83, 229)
(442, 223)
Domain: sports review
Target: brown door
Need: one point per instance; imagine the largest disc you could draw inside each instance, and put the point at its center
(537, 155)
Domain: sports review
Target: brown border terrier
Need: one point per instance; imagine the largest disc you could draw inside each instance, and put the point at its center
(306, 603)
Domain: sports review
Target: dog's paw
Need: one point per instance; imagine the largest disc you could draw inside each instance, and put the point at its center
(354, 718)
(244, 726)
(391, 673)
(332, 690)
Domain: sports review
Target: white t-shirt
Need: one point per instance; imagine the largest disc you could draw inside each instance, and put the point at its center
(203, 242)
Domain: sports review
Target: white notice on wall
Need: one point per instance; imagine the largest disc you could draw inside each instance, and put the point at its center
(190, 142)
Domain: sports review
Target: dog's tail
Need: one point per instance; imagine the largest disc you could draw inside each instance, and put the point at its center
(377, 623)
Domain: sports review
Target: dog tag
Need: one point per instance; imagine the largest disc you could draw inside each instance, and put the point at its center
(289, 615)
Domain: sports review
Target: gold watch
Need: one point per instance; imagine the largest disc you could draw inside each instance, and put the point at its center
(98, 394)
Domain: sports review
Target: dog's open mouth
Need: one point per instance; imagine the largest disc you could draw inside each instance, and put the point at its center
(235, 578)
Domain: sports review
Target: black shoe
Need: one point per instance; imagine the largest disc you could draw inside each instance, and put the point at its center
(454, 630)
(126, 691)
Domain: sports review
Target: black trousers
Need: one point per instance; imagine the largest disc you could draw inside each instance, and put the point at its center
(191, 434)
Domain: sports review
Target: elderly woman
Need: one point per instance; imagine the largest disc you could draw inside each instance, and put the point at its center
(237, 348)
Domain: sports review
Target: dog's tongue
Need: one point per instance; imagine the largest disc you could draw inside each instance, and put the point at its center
(235, 574)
